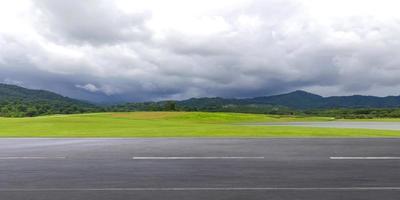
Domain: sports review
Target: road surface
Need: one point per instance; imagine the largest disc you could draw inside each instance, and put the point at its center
(277, 169)
(335, 124)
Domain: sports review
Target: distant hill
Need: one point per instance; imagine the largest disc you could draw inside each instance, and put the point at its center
(17, 101)
(297, 102)
(300, 100)
(305, 100)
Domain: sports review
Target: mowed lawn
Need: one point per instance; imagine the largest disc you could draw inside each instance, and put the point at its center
(171, 124)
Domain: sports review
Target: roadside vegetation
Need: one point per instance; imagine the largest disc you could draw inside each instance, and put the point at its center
(171, 124)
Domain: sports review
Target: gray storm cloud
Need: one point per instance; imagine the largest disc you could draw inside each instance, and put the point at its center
(135, 51)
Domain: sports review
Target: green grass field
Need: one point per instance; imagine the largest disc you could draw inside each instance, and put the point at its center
(171, 124)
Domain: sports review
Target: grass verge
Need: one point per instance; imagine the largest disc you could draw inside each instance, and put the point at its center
(171, 124)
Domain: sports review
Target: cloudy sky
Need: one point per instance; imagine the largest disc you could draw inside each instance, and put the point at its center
(135, 50)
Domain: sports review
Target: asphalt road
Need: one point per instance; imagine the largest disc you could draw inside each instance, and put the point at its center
(335, 124)
(277, 169)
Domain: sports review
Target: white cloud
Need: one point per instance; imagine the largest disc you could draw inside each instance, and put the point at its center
(144, 50)
(106, 89)
(12, 82)
(89, 87)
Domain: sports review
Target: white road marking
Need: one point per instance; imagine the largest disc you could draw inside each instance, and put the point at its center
(205, 189)
(195, 158)
(31, 158)
(364, 158)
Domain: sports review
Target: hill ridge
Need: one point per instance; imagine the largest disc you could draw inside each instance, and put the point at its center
(17, 101)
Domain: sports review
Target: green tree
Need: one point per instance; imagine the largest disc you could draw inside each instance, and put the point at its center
(170, 106)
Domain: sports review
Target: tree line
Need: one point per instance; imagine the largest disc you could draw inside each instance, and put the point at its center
(32, 109)
(24, 108)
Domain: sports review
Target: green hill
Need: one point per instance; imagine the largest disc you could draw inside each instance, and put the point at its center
(17, 101)
(298, 100)
(306, 100)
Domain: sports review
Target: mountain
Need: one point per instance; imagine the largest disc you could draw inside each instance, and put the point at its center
(297, 100)
(305, 100)
(359, 101)
(276, 104)
(17, 101)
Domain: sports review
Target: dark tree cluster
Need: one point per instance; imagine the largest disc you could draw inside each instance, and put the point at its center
(31, 109)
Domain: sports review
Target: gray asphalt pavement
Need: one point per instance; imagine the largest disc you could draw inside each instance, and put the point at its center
(336, 124)
(281, 169)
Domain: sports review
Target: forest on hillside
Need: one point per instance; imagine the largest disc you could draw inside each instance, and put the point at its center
(17, 101)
